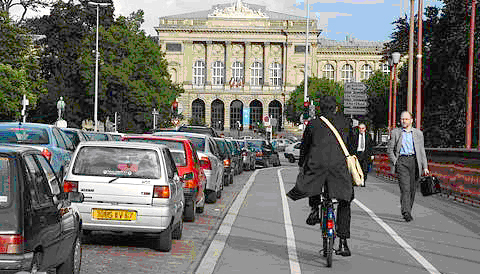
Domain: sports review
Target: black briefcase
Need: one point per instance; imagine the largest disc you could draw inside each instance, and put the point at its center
(429, 185)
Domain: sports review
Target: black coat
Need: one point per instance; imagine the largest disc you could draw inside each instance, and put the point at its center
(323, 160)
(353, 144)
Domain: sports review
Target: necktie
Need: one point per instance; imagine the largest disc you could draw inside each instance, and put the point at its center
(362, 142)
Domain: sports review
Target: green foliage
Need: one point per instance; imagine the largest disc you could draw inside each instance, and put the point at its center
(317, 89)
(378, 92)
(133, 76)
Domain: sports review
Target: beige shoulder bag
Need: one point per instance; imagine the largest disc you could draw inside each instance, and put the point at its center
(353, 164)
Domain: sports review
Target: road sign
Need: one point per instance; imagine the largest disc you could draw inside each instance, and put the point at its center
(355, 96)
(355, 87)
(266, 120)
(357, 104)
(355, 111)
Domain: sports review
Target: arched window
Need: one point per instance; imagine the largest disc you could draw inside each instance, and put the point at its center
(365, 72)
(256, 112)
(199, 73)
(217, 73)
(275, 74)
(385, 68)
(329, 72)
(256, 78)
(237, 74)
(347, 73)
(275, 111)
(218, 114)
(236, 113)
(198, 112)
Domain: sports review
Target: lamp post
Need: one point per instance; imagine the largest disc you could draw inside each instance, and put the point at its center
(468, 133)
(305, 91)
(396, 59)
(390, 66)
(419, 65)
(155, 113)
(98, 5)
(410, 58)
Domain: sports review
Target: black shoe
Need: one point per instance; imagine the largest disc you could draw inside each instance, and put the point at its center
(313, 217)
(408, 217)
(343, 249)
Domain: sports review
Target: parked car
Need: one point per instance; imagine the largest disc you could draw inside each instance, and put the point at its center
(292, 152)
(248, 155)
(98, 136)
(210, 161)
(76, 135)
(128, 187)
(189, 169)
(50, 140)
(237, 156)
(227, 157)
(198, 129)
(281, 144)
(39, 229)
(265, 153)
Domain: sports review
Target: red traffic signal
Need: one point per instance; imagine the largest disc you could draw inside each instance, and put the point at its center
(175, 105)
(306, 104)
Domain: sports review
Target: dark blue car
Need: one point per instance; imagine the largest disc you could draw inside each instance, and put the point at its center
(49, 139)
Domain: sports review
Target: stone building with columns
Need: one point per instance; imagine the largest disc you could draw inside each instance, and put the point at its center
(239, 62)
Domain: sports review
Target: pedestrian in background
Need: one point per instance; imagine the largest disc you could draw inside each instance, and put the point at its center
(406, 150)
(322, 164)
(361, 145)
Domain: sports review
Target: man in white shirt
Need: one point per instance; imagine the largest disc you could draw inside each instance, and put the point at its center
(361, 145)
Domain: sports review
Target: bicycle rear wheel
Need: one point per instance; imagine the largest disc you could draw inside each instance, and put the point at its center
(329, 250)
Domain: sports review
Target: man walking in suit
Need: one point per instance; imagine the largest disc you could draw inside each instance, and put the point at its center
(362, 146)
(406, 150)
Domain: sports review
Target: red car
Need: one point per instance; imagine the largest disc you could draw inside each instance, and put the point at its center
(189, 169)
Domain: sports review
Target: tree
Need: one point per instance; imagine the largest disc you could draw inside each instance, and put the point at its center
(133, 76)
(19, 70)
(317, 89)
(24, 6)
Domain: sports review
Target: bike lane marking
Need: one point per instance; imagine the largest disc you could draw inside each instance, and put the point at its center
(209, 260)
(426, 264)
(292, 250)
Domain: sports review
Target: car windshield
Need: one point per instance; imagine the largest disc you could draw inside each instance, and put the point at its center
(95, 136)
(257, 143)
(177, 148)
(117, 162)
(4, 181)
(24, 135)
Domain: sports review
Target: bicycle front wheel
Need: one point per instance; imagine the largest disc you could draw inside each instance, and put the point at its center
(329, 251)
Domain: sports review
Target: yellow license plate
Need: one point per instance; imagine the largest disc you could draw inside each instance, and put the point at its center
(120, 215)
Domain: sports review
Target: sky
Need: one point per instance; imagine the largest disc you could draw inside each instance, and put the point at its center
(369, 20)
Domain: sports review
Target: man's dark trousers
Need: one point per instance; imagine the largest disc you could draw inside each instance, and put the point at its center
(344, 213)
(407, 172)
(363, 159)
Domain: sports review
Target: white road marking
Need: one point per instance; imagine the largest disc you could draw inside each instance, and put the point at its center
(207, 265)
(426, 264)
(292, 250)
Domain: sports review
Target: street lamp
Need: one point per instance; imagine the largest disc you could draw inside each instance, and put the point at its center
(419, 64)
(98, 5)
(390, 66)
(396, 59)
(305, 90)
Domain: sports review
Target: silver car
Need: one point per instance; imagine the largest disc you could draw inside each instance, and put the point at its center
(128, 187)
(210, 160)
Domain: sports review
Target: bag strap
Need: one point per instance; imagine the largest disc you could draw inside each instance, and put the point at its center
(339, 139)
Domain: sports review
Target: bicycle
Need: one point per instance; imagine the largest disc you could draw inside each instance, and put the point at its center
(327, 225)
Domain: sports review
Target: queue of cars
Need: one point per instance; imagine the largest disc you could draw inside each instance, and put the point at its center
(71, 182)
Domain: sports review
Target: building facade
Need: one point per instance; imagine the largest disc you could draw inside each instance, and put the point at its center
(239, 62)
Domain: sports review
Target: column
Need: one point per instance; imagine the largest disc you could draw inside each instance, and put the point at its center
(284, 66)
(208, 111)
(247, 63)
(266, 63)
(187, 63)
(228, 63)
(208, 66)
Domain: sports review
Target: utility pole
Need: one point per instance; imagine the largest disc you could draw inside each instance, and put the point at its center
(305, 91)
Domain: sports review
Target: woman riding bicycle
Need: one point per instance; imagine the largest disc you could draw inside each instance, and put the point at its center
(322, 162)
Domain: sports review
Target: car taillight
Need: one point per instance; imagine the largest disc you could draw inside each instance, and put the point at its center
(329, 224)
(11, 244)
(47, 154)
(189, 180)
(259, 154)
(205, 163)
(70, 186)
(226, 163)
(161, 192)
